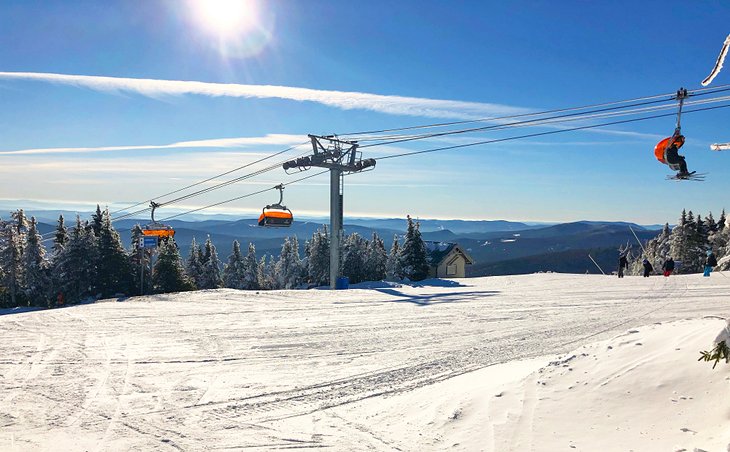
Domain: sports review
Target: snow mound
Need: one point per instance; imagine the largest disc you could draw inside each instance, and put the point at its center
(642, 390)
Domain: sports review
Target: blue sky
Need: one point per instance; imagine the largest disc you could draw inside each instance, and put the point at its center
(336, 67)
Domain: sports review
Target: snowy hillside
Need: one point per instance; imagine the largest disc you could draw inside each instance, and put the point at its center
(384, 368)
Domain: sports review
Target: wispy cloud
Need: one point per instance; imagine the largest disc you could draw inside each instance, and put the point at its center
(345, 100)
(217, 143)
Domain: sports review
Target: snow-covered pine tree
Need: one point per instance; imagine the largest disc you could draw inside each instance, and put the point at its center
(376, 259)
(211, 276)
(74, 271)
(393, 269)
(60, 237)
(97, 220)
(233, 270)
(710, 224)
(413, 256)
(11, 260)
(354, 250)
(289, 269)
(194, 266)
(169, 273)
(21, 226)
(680, 249)
(699, 244)
(37, 281)
(21, 222)
(273, 280)
(318, 264)
(262, 277)
(249, 274)
(651, 252)
(114, 268)
(721, 221)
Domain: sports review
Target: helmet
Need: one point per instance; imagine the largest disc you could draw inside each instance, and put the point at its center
(709, 252)
(679, 140)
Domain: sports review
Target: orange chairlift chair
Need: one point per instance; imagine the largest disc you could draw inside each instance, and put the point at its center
(155, 229)
(276, 215)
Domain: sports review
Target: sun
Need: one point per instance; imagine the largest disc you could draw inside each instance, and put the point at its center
(225, 18)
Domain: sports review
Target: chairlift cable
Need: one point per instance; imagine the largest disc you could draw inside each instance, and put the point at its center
(212, 178)
(531, 122)
(667, 97)
(551, 132)
(245, 196)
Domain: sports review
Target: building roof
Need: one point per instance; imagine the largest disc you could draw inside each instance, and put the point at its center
(438, 251)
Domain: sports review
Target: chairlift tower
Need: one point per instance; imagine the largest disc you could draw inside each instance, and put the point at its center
(340, 157)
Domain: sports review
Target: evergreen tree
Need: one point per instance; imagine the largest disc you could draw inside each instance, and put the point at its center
(75, 269)
(289, 268)
(233, 270)
(194, 267)
(249, 274)
(710, 224)
(413, 256)
(114, 269)
(97, 219)
(376, 259)
(11, 260)
(680, 249)
(721, 221)
(656, 251)
(60, 238)
(169, 273)
(211, 275)
(262, 277)
(21, 222)
(273, 280)
(37, 282)
(318, 262)
(393, 269)
(21, 227)
(354, 250)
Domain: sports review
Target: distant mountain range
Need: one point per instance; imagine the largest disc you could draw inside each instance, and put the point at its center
(497, 247)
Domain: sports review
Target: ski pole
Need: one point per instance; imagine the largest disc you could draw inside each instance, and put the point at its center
(599, 267)
(637, 239)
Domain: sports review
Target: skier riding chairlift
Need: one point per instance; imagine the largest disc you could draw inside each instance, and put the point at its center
(667, 152)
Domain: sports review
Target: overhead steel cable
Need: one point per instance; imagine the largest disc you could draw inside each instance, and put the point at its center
(244, 196)
(212, 178)
(551, 132)
(206, 190)
(535, 122)
(671, 96)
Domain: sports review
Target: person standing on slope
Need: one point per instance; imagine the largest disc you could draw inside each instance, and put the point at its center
(710, 263)
(623, 263)
(668, 266)
(647, 267)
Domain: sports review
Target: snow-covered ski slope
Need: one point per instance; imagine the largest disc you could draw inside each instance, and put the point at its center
(233, 370)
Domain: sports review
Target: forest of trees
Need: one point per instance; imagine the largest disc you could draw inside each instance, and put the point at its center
(687, 243)
(89, 261)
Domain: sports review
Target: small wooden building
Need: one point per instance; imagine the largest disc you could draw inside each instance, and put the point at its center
(447, 260)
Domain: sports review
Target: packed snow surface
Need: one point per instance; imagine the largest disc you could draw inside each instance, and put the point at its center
(535, 362)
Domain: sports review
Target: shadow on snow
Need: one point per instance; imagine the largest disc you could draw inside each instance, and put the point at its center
(437, 298)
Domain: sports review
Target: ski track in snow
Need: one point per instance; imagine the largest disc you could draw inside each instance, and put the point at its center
(217, 370)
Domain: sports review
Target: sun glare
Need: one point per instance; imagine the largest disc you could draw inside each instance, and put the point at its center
(226, 18)
(235, 28)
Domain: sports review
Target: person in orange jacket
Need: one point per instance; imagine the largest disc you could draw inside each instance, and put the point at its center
(667, 152)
